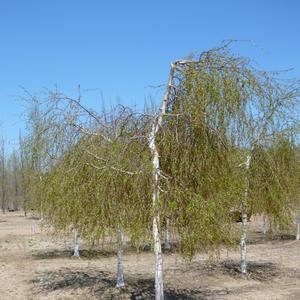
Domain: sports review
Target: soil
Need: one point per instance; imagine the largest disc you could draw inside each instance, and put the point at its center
(36, 265)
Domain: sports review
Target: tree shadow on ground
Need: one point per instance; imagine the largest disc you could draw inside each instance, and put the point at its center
(257, 237)
(258, 271)
(107, 250)
(102, 285)
(284, 237)
(32, 217)
(84, 253)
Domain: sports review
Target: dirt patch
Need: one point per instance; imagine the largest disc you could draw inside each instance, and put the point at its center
(40, 267)
(256, 271)
(102, 285)
(84, 253)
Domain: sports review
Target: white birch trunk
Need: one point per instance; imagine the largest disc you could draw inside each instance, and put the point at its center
(298, 227)
(264, 225)
(159, 283)
(243, 242)
(167, 235)
(120, 270)
(33, 229)
(76, 245)
(243, 245)
(41, 206)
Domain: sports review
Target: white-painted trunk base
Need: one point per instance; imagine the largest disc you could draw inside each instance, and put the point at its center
(76, 245)
(159, 282)
(120, 269)
(298, 230)
(243, 245)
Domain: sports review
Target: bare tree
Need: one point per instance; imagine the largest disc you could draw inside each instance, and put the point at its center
(3, 176)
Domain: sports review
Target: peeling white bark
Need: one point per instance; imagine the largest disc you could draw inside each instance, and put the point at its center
(243, 245)
(159, 283)
(120, 269)
(76, 245)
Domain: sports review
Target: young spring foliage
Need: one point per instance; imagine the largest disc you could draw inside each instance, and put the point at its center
(274, 181)
(99, 185)
(220, 109)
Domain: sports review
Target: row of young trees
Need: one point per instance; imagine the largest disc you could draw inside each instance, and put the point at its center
(11, 179)
(224, 140)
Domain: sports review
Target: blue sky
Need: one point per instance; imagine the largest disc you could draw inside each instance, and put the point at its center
(120, 48)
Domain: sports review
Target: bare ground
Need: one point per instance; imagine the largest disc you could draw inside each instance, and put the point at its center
(39, 266)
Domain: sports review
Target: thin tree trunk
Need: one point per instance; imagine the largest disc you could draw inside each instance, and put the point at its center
(243, 242)
(3, 199)
(159, 283)
(33, 229)
(41, 205)
(25, 206)
(243, 245)
(41, 211)
(76, 245)
(16, 183)
(3, 176)
(167, 235)
(271, 232)
(298, 227)
(264, 225)
(120, 269)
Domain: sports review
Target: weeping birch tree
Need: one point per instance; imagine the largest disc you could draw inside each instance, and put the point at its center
(219, 109)
(100, 183)
(191, 158)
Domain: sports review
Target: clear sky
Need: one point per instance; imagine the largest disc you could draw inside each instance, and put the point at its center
(121, 48)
